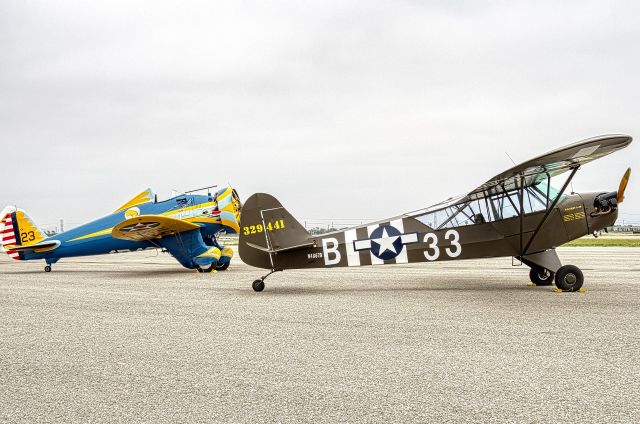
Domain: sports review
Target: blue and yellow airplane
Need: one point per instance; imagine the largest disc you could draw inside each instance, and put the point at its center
(186, 226)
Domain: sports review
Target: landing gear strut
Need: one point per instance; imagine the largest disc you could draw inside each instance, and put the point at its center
(569, 278)
(258, 285)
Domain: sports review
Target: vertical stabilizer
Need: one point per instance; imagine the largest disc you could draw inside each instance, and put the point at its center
(18, 229)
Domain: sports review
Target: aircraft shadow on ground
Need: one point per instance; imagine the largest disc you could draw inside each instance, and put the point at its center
(123, 273)
(275, 290)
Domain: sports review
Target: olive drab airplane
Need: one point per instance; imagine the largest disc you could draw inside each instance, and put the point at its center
(186, 226)
(516, 213)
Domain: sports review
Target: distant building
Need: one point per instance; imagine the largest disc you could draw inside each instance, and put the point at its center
(629, 229)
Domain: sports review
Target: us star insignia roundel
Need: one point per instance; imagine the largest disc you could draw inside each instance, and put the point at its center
(386, 242)
(140, 226)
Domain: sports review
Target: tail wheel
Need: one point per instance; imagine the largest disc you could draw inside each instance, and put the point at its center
(223, 267)
(47, 268)
(258, 285)
(208, 269)
(541, 276)
(569, 278)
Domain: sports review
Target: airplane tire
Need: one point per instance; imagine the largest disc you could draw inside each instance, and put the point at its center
(47, 268)
(569, 278)
(258, 285)
(223, 266)
(541, 276)
(209, 269)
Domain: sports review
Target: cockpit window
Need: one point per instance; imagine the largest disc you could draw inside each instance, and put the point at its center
(488, 209)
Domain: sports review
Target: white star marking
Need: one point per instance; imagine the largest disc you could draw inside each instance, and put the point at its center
(385, 242)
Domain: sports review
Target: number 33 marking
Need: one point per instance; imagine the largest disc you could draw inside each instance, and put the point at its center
(433, 251)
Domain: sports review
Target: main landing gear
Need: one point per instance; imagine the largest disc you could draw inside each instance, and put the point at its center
(568, 278)
(541, 276)
(213, 267)
(223, 267)
(210, 268)
(546, 267)
(258, 285)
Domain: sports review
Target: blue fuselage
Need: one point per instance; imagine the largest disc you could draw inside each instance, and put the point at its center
(94, 238)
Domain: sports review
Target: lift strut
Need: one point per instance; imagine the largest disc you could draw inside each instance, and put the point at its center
(574, 169)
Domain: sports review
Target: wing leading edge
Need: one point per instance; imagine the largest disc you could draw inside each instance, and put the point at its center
(550, 164)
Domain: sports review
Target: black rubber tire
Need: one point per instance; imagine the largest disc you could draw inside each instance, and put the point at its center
(541, 276)
(569, 278)
(209, 269)
(223, 267)
(258, 285)
(47, 268)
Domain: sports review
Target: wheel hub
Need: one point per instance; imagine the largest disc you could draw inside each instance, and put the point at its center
(570, 279)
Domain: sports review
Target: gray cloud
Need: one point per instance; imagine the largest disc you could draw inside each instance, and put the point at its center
(341, 109)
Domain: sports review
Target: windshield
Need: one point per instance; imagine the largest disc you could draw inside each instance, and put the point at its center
(489, 208)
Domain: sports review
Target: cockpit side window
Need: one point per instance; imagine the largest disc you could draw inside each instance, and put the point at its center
(491, 208)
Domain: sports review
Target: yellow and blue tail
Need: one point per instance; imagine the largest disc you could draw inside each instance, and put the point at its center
(18, 229)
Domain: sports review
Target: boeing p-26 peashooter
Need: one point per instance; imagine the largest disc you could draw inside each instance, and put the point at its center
(186, 226)
(516, 213)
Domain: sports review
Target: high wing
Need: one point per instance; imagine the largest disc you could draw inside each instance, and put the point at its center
(147, 227)
(549, 165)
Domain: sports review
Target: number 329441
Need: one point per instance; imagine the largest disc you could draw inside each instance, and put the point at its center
(259, 228)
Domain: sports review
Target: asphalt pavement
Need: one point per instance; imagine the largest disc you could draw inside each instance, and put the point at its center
(135, 337)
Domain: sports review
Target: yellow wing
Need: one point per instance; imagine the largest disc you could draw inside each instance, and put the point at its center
(145, 227)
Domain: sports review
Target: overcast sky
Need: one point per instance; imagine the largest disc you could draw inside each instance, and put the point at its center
(340, 109)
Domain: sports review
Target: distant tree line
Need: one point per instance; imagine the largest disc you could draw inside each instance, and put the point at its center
(319, 230)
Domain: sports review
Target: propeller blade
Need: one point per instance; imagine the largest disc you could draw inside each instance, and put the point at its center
(623, 185)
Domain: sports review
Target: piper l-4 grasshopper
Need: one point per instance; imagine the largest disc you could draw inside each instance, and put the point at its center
(516, 213)
(186, 226)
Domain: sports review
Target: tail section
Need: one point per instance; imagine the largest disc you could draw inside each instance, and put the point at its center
(267, 229)
(18, 230)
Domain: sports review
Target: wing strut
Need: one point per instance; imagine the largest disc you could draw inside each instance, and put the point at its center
(548, 212)
(521, 199)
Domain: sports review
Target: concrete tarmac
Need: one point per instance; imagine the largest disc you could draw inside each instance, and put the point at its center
(135, 337)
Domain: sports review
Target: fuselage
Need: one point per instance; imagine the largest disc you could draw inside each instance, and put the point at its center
(431, 235)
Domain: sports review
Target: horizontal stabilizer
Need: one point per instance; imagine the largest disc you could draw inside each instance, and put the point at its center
(147, 227)
(43, 246)
(282, 249)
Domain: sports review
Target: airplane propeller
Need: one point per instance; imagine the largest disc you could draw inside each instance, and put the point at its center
(606, 202)
(623, 185)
